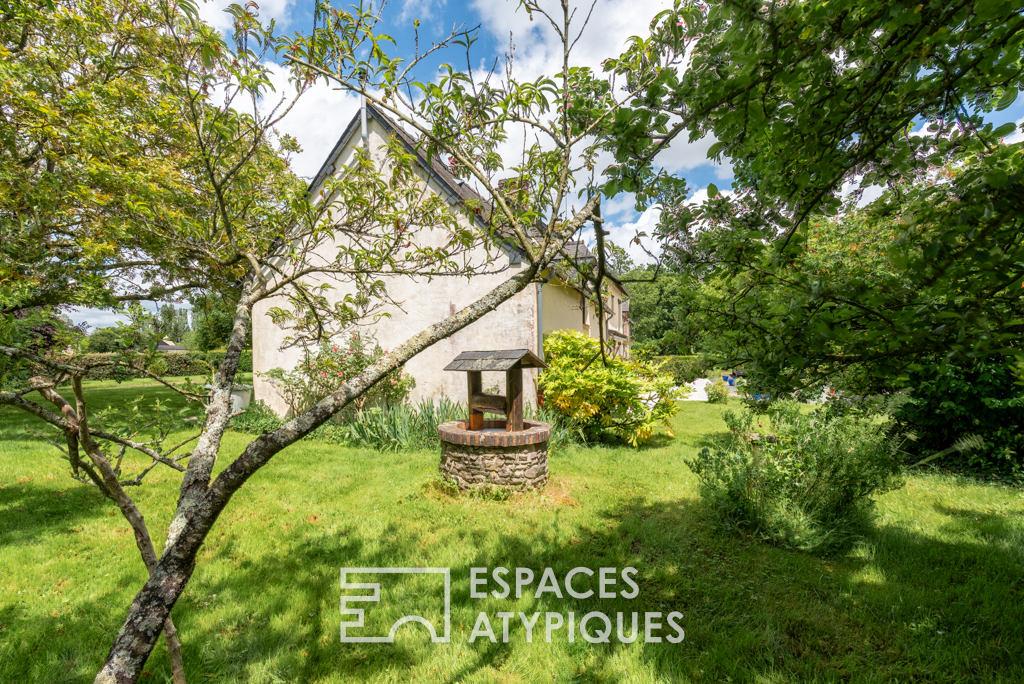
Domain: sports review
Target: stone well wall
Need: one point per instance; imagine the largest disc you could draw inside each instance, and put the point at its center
(472, 458)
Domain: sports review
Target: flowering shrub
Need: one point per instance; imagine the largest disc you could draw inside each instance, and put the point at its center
(802, 481)
(336, 361)
(718, 392)
(625, 398)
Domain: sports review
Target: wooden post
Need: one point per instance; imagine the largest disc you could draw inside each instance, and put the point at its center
(514, 399)
(475, 385)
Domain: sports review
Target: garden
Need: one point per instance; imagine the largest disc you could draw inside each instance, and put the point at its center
(771, 432)
(932, 592)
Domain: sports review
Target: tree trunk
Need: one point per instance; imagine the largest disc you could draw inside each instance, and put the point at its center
(199, 507)
(108, 483)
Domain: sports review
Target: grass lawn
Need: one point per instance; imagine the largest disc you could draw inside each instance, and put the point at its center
(936, 594)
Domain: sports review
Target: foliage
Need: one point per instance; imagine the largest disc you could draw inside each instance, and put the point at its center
(257, 419)
(950, 401)
(244, 360)
(655, 312)
(718, 392)
(876, 293)
(627, 399)
(187, 363)
(805, 481)
(91, 154)
(397, 427)
(204, 202)
(170, 323)
(619, 261)
(173, 364)
(946, 231)
(212, 318)
(758, 72)
(332, 365)
(683, 368)
(101, 341)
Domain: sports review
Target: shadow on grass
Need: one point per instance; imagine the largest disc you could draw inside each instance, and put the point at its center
(715, 441)
(985, 524)
(912, 607)
(30, 510)
(905, 606)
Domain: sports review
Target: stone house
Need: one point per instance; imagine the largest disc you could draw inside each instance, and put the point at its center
(519, 323)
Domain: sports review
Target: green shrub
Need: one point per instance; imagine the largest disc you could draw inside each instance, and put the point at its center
(645, 351)
(102, 341)
(804, 481)
(322, 372)
(949, 402)
(119, 373)
(186, 363)
(718, 392)
(403, 427)
(683, 368)
(214, 358)
(627, 399)
(257, 419)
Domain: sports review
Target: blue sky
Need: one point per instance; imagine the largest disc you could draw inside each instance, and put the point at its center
(321, 115)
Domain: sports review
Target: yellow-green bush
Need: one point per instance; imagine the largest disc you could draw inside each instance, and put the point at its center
(718, 392)
(626, 398)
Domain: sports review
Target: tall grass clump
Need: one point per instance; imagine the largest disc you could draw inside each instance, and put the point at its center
(804, 481)
(398, 427)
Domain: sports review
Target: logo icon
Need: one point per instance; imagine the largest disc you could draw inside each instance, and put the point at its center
(358, 613)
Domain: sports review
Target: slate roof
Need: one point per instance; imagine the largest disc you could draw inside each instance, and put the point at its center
(577, 250)
(499, 360)
(573, 250)
(438, 170)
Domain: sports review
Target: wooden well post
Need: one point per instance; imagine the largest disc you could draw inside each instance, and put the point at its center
(512, 361)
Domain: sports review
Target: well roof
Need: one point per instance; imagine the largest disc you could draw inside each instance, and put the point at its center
(498, 360)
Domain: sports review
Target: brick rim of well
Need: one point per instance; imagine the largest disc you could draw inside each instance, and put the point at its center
(455, 432)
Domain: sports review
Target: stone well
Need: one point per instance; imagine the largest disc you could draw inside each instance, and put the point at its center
(494, 456)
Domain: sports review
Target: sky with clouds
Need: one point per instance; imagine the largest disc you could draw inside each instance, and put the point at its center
(321, 115)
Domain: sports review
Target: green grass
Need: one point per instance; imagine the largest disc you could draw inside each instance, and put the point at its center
(936, 594)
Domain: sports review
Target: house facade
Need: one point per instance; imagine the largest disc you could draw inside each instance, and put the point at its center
(519, 323)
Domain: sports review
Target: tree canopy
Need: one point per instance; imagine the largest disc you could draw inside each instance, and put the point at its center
(812, 103)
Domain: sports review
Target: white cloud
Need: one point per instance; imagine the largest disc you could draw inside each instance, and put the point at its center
(317, 120)
(622, 234)
(424, 10)
(538, 51)
(701, 196)
(105, 318)
(212, 12)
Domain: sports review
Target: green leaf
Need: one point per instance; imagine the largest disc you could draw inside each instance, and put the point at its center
(1005, 130)
(996, 178)
(712, 190)
(1007, 99)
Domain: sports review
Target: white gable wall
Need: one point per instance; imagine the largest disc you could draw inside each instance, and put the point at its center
(513, 325)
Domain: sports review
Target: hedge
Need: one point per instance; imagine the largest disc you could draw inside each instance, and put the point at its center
(683, 368)
(186, 363)
(244, 362)
(178, 364)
